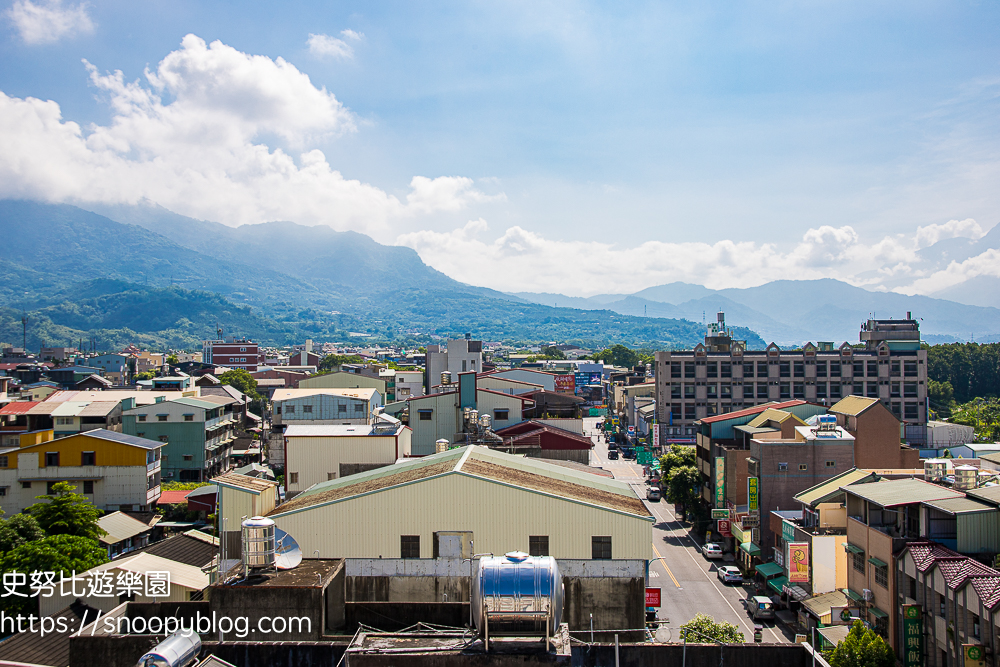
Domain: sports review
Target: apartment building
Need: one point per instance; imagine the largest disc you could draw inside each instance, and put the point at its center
(232, 352)
(722, 375)
(459, 356)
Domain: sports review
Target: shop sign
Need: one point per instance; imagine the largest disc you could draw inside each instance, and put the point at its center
(652, 597)
(752, 499)
(913, 635)
(720, 514)
(798, 562)
(787, 531)
(724, 528)
(720, 481)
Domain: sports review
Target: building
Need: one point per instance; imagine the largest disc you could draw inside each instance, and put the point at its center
(459, 356)
(547, 381)
(345, 380)
(506, 385)
(113, 470)
(519, 504)
(551, 404)
(232, 352)
(120, 368)
(540, 440)
(408, 384)
(315, 454)
(69, 376)
(197, 434)
(324, 406)
(722, 376)
(123, 533)
(58, 353)
(876, 433)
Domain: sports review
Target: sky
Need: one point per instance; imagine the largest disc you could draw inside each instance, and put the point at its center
(568, 147)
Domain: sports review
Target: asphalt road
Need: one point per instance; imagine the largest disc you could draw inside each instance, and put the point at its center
(687, 580)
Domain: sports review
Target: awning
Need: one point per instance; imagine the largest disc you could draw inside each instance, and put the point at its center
(857, 597)
(878, 613)
(750, 548)
(877, 562)
(777, 584)
(853, 549)
(770, 570)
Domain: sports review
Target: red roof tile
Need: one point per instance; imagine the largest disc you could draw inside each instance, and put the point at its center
(173, 497)
(17, 407)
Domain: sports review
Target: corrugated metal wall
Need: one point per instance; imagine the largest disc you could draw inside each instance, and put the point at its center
(978, 532)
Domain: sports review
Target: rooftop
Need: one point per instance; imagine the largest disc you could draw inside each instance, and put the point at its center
(365, 393)
(340, 430)
(832, 487)
(243, 483)
(750, 411)
(119, 526)
(774, 415)
(192, 547)
(852, 405)
(889, 493)
(960, 505)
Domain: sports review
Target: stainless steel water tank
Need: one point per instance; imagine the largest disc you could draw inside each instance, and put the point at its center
(258, 542)
(517, 595)
(445, 377)
(177, 650)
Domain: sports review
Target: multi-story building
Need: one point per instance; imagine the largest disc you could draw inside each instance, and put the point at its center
(722, 375)
(324, 406)
(58, 353)
(232, 352)
(876, 432)
(113, 470)
(197, 434)
(119, 368)
(460, 356)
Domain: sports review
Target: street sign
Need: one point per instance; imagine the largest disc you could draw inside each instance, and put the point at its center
(750, 521)
(652, 597)
(720, 514)
(752, 498)
(975, 655)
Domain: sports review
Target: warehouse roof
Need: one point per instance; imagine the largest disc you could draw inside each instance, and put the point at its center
(960, 505)
(746, 412)
(119, 526)
(832, 487)
(181, 574)
(484, 463)
(989, 494)
(853, 405)
(192, 547)
(341, 430)
(365, 393)
(243, 482)
(889, 493)
(772, 415)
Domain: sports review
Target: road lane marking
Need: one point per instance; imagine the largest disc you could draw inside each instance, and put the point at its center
(665, 567)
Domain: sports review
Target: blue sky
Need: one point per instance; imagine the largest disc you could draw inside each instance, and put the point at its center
(713, 142)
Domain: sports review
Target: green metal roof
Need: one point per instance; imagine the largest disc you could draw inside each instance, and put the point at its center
(857, 597)
(990, 494)
(777, 583)
(769, 569)
(960, 506)
(853, 549)
(878, 613)
(890, 493)
(877, 562)
(750, 548)
(830, 488)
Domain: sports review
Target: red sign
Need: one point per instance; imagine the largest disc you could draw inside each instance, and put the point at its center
(724, 528)
(565, 383)
(652, 597)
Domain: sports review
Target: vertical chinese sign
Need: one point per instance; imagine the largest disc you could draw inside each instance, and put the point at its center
(752, 501)
(720, 481)
(913, 636)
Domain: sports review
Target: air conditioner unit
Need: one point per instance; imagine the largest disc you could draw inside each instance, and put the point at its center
(866, 594)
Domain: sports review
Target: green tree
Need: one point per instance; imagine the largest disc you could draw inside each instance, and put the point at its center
(861, 648)
(242, 381)
(182, 486)
(981, 414)
(676, 457)
(682, 484)
(67, 513)
(18, 530)
(331, 361)
(172, 360)
(618, 355)
(942, 397)
(145, 375)
(553, 352)
(704, 628)
(61, 554)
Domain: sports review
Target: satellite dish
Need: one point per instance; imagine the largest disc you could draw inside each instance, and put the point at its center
(287, 553)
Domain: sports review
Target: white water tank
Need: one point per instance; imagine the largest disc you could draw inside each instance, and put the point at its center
(258, 542)
(965, 477)
(935, 469)
(440, 445)
(177, 650)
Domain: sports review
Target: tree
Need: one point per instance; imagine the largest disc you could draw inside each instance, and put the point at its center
(67, 513)
(704, 628)
(618, 355)
(18, 530)
(145, 375)
(553, 352)
(981, 414)
(861, 648)
(61, 554)
(681, 486)
(676, 457)
(172, 360)
(242, 381)
(331, 361)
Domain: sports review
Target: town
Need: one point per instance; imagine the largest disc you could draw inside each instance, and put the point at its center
(778, 495)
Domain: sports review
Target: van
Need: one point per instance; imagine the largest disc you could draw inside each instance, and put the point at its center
(760, 607)
(612, 454)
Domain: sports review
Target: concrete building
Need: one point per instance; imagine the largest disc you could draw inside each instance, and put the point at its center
(113, 470)
(120, 368)
(315, 454)
(546, 380)
(198, 435)
(722, 376)
(324, 406)
(876, 434)
(408, 384)
(506, 385)
(344, 380)
(232, 352)
(459, 356)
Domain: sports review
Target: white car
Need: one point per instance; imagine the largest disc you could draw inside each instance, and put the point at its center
(712, 551)
(729, 574)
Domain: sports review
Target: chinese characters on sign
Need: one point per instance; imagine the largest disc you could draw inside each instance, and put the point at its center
(798, 562)
(912, 636)
(652, 597)
(98, 584)
(752, 501)
(720, 481)
(724, 528)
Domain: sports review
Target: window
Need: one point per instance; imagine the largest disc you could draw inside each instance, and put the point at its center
(51, 459)
(748, 390)
(859, 367)
(3, 461)
(161, 418)
(783, 467)
(713, 391)
(858, 389)
(798, 390)
(88, 459)
(501, 414)
(881, 575)
(835, 369)
(409, 546)
(761, 390)
(140, 434)
(675, 369)
(942, 611)
(894, 368)
(309, 408)
(331, 475)
(25, 485)
(785, 390)
(831, 464)
(872, 369)
(600, 547)
(910, 368)
(896, 409)
(799, 369)
(164, 438)
(784, 369)
(189, 418)
(675, 411)
(834, 390)
(289, 410)
(910, 411)
(88, 487)
(689, 391)
(803, 466)
(142, 418)
(748, 369)
(975, 626)
(689, 411)
(858, 560)
(293, 478)
(726, 369)
(762, 371)
(821, 369)
(909, 390)
(243, 349)
(894, 390)
(872, 389)
(359, 408)
(675, 391)
(3, 491)
(726, 391)
(49, 486)
(189, 457)
(712, 369)
(341, 408)
(689, 369)
(425, 414)
(538, 545)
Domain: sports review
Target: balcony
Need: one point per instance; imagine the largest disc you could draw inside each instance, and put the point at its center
(152, 495)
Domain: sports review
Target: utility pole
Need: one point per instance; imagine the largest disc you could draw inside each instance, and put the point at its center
(24, 331)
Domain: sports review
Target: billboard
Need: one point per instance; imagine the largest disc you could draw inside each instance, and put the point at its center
(565, 384)
(798, 562)
(753, 502)
(652, 597)
(720, 481)
(656, 435)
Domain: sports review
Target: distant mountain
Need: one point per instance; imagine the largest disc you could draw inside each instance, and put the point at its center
(159, 277)
(795, 311)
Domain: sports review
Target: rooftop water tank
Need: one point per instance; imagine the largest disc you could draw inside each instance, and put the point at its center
(935, 469)
(258, 542)
(445, 377)
(965, 477)
(517, 595)
(440, 445)
(485, 420)
(177, 650)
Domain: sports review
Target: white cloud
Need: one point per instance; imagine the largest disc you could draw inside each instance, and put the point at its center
(190, 139)
(350, 34)
(48, 21)
(931, 234)
(325, 45)
(956, 273)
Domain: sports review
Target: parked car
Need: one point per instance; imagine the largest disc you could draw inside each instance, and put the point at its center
(729, 574)
(612, 454)
(712, 551)
(760, 607)
(653, 494)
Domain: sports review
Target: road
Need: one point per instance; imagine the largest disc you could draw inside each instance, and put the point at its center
(687, 580)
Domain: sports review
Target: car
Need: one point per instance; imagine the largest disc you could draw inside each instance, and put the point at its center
(712, 551)
(760, 607)
(653, 494)
(612, 454)
(729, 574)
